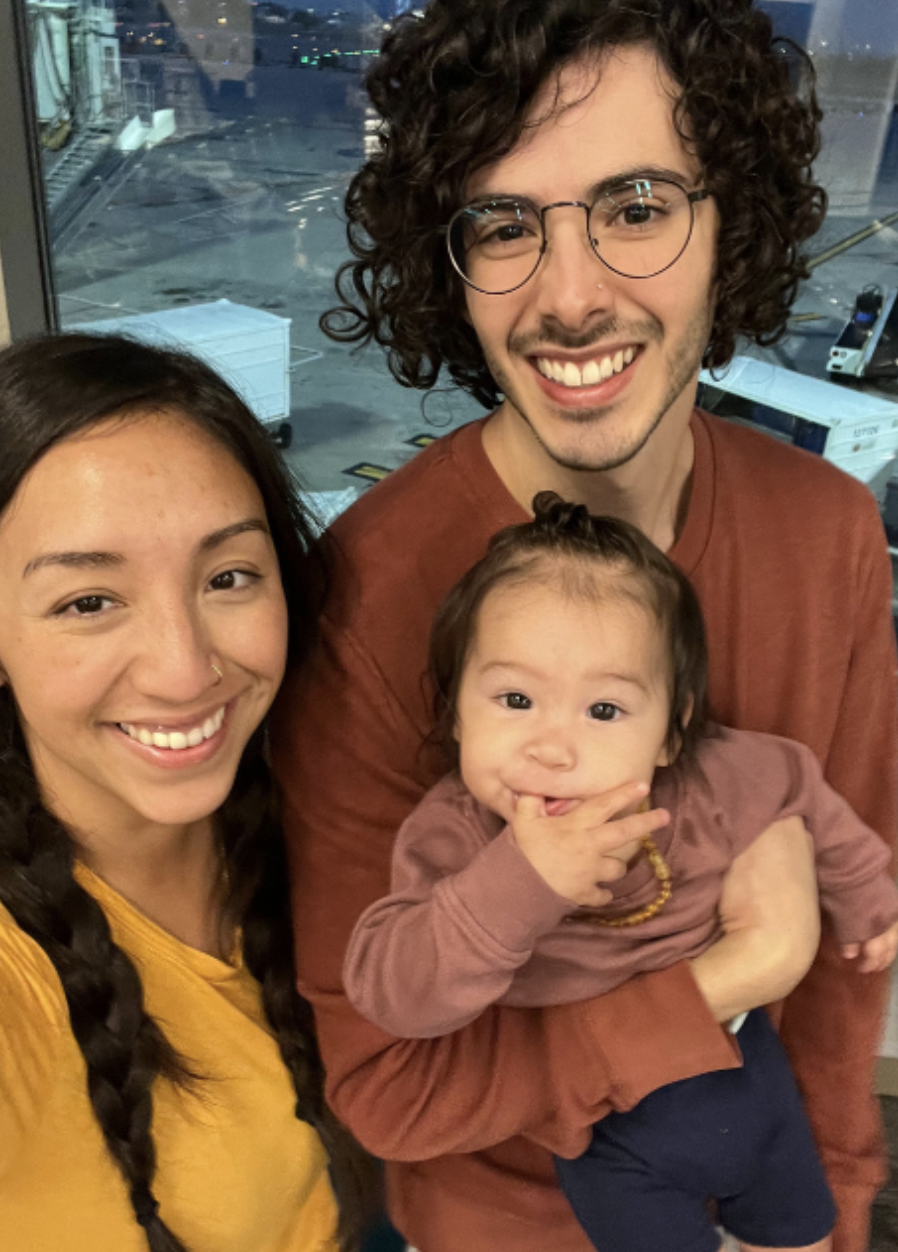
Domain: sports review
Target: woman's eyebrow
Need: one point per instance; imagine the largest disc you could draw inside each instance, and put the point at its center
(228, 532)
(84, 560)
(105, 560)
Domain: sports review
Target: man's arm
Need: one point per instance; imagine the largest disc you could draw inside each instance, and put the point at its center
(768, 910)
(350, 761)
(836, 1012)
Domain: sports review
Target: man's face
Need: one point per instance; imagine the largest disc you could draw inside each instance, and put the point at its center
(649, 334)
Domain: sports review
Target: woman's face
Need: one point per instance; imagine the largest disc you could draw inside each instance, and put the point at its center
(133, 559)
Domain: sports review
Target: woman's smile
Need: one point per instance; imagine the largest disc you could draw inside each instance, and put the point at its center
(143, 649)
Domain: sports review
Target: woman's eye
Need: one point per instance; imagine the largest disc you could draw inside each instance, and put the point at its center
(84, 606)
(515, 700)
(603, 711)
(233, 580)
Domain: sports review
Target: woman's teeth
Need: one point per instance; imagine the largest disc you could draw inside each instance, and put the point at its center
(571, 375)
(176, 740)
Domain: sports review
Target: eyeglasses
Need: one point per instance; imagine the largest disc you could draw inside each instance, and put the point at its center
(637, 229)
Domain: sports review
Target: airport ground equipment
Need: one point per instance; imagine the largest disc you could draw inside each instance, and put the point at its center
(855, 430)
(249, 347)
(868, 344)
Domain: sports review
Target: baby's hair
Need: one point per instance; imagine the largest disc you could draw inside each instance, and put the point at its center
(570, 539)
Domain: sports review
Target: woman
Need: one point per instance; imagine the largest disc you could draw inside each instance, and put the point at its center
(160, 1085)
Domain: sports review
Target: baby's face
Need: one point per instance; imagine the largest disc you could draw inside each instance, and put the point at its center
(562, 697)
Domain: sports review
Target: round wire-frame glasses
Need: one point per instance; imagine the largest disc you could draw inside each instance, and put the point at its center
(638, 229)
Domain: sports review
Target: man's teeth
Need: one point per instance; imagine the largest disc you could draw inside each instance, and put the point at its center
(177, 740)
(571, 375)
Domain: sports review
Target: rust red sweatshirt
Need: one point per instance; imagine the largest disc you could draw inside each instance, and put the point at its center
(789, 560)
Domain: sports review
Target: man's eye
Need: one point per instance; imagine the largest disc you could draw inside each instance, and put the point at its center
(515, 700)
(233, 580)
(84, 606)
(603, 711)
(637, 214)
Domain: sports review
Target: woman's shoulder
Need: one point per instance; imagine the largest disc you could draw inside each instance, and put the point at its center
(34, 1025)
(29, 985)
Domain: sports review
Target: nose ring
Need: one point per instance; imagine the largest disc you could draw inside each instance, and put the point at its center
(218, 675)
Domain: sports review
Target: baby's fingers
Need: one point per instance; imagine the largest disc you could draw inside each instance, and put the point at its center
(876, 954)
(634, 826)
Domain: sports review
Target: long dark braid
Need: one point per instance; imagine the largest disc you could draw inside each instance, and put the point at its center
(257, 870)
(51, 389)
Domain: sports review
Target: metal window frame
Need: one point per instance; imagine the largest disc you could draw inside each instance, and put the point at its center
(24, 237)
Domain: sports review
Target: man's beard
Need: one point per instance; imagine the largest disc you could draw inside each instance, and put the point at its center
(684, 361)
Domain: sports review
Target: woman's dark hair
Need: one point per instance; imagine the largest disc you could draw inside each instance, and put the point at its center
(565, 539)
(50, 390)
(455, 88)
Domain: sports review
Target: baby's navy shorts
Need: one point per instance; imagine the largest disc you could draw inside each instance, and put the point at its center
(737, 1136)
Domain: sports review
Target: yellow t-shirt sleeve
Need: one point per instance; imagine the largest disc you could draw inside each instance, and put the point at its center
(33, 1016)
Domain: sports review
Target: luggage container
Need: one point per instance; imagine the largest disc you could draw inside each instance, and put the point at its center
(248, 347)
(855, 430)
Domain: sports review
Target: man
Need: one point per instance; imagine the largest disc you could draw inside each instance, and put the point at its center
(575, 202)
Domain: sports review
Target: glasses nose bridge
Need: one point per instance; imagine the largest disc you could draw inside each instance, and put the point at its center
(565, 204)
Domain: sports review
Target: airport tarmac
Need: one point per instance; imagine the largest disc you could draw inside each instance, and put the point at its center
(244, 202)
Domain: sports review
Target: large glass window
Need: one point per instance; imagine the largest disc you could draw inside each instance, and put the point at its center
(198, 151)
(844, 325)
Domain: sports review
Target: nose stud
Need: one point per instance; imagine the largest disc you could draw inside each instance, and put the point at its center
(218, 674)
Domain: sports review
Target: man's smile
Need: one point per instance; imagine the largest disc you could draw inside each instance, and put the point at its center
(585, 373)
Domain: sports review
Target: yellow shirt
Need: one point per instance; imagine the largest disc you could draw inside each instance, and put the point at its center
(236, 1170)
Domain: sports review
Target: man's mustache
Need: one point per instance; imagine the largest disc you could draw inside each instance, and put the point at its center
(551, 334)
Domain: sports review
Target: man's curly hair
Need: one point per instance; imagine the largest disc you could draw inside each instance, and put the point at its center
(455, 90)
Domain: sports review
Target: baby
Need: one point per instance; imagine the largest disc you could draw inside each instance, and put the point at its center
(570, 664)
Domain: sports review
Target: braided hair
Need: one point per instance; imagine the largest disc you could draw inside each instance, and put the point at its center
(51, 389)
(566, 539)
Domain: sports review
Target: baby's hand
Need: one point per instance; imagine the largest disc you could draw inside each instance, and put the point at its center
(875, 954)
(588, 845)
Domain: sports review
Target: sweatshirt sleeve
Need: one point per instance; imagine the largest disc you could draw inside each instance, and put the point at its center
(463, 916)
(832, 1022)
(854, 875)
(349, 759)
(759, 779)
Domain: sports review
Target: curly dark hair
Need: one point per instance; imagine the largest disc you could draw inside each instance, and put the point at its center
(454, 89)
(562, 535)
(51, 389)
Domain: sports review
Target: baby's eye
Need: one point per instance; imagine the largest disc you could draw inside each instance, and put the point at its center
(603, 711)
(515, 700)
(84, 606)
(233, 580)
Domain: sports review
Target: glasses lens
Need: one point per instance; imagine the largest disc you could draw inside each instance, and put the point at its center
(496, 244)
(640, 228)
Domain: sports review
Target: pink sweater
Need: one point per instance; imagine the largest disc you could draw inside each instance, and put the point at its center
(470, 923)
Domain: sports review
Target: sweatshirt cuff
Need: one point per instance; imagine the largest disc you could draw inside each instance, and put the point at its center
(864, 912)
(657, 1029)
(506, 897)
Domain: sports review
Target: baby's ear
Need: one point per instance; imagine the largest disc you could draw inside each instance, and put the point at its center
(669, 754)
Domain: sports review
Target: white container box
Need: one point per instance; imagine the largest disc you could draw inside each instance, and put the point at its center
(856, 431)
(248, 347)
